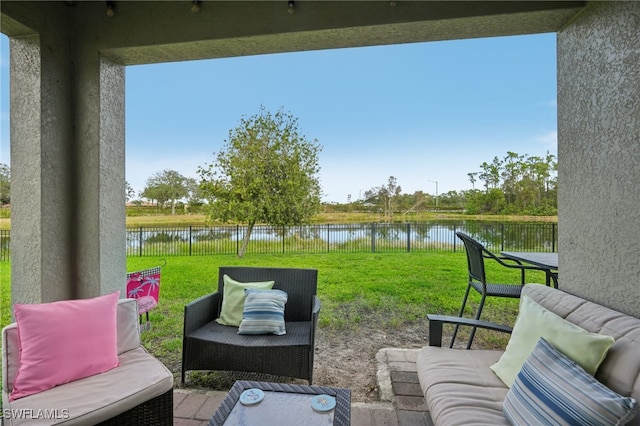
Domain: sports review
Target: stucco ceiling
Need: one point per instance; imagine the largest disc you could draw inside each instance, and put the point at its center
(140, 32)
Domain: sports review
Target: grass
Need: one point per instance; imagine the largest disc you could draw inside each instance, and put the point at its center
(389, 290)
(5, 293)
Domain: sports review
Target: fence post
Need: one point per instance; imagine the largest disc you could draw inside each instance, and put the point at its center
(373, 237)
(190, 240)
(408, 237)
(283, 233)
(502, 237)
(455, 240)
(5, 241)
(553, 237)
(237, 239)
(140, 242)
(328, 237)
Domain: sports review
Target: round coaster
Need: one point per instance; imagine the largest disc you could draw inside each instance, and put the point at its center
(323, 403)
(251, 396)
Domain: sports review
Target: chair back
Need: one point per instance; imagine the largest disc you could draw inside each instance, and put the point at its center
(300, 284)
(475, 258)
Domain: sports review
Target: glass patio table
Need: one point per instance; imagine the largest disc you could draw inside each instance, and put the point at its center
(545, 260)
(282, 405)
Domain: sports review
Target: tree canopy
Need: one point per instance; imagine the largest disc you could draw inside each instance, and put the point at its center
(166, 186)
(129, 192)
(267, 172)
(385, 196)
(516, 184)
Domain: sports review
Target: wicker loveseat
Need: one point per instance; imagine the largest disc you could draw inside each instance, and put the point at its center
(460, 388)
(208, 345)
(137, 392)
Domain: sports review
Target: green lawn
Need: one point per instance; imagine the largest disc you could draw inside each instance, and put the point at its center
(389, 289)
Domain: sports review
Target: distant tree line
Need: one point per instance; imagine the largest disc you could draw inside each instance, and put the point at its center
(515, 184)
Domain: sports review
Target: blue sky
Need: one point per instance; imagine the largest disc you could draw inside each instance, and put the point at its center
(421, 112)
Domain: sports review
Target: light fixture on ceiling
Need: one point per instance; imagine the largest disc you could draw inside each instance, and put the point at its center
(111, 8)
(393, 3)
(195, 6)
(291, 6)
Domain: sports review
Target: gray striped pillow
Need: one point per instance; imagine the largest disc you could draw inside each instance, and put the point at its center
(263, 312)
(550, 389)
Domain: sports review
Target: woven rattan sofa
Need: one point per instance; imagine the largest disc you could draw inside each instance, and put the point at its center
(208, 345)
(460, 388)
(137, 392)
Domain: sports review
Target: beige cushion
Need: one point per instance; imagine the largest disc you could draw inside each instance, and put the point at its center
(620, 370)
(128, 327)
(460, 388)
(139, 378)
(534, 321)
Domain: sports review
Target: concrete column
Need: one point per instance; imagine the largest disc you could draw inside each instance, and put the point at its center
(41, 148)
(67, 165)
(100, 177)
(599, 155)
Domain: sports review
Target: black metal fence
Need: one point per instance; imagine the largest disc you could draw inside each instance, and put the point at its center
(369, 237)
(5, 239)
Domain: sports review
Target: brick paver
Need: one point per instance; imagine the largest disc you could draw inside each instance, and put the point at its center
(195, 408)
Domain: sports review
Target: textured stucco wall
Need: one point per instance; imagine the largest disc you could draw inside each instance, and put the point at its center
(67, 164)
(599, 154)
(40, 164)
(100, 169)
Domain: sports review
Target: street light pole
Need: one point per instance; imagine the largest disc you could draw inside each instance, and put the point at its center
(436, 182)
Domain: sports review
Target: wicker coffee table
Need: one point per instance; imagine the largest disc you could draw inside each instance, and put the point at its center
(283, 405)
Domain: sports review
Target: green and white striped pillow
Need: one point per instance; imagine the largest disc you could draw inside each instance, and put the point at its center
(551, 389)
(263, 312)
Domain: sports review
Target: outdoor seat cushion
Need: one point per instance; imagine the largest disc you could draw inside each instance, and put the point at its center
(298, 334)
(139, 378)
(459, 386)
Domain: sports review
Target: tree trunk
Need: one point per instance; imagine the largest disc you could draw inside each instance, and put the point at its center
(245, 240)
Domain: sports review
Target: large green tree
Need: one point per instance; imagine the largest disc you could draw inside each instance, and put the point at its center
(166, 186)
(267, 172)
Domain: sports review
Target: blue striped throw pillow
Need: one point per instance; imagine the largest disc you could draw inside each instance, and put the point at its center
(263, 312)
(550, 389)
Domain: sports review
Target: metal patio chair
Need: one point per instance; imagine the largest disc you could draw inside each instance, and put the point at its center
(476, 255)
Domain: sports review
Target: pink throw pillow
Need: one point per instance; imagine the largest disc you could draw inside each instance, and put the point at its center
(65, 341)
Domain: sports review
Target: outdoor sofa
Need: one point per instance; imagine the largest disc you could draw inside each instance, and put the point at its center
(139, 391)
(460, 387)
